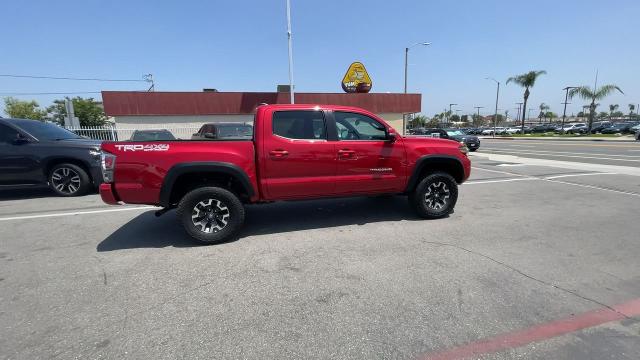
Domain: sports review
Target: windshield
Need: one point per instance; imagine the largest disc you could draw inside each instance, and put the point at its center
(235, 131)
(454, 132)
(46, 131)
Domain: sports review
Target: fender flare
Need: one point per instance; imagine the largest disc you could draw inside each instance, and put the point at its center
(427, 160)
(209, 166)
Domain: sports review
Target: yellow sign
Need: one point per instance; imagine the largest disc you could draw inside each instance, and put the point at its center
(356, 79)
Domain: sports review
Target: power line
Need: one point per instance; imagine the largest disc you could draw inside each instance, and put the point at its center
(49, 93)
(70, 78)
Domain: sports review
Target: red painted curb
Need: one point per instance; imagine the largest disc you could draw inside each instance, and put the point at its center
(540, 332)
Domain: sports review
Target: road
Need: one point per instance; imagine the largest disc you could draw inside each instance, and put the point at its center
(595, 152)
(537, 262)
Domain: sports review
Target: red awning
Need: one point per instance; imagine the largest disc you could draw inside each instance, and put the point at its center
(136, 103)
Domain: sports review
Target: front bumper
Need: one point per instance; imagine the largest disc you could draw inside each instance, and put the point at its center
(108, 194)
(473, 145)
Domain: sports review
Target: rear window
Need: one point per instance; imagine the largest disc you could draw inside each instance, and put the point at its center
(300, 125)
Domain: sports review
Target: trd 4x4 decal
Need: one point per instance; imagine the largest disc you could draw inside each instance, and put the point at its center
(141, 147)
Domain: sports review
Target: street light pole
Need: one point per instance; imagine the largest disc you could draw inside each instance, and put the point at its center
(495, 117)
(291, 91)
(406, 65)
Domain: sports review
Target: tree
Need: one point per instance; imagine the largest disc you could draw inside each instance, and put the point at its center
(588, 93)
(550, 115)
(89, 112)
(527, 80)
(618, 114)
(632, 107)
(603, 115)
(543, 111)
(419, 121)
(612, 109)
(23, 109)
(478, 120)
(455, 118)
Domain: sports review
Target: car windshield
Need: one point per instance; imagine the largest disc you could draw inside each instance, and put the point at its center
(454, 132)
(46, 131)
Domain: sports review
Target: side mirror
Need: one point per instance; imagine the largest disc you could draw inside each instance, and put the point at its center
(20, 139)
(209, 135)
(392, 136)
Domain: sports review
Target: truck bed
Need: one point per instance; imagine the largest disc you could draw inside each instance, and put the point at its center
(140, 174)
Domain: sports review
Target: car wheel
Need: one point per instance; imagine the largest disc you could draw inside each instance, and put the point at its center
(69, 180)
(211, 215)
(435, 196)
(472, 150)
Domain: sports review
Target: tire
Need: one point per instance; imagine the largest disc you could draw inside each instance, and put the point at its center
(473, 150)
(211, 215)
(69, 180)
(442, 190)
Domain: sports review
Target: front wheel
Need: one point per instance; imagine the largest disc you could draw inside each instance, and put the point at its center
(69, 180)
(435, 196)
(211, 215)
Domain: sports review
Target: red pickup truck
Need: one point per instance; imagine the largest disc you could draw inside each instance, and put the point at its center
(297, 152)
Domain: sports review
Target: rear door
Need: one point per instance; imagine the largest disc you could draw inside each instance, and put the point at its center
(298, 160)
(367, 161)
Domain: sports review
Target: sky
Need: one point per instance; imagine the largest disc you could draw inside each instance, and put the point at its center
(241, 45)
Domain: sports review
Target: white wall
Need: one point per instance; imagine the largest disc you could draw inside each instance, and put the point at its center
(165, 122)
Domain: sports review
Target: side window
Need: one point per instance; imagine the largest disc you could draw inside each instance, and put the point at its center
(7, 134)
(308, 125)
(352, 126)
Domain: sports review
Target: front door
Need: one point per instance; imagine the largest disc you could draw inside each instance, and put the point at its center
(298, 159)
(18, 165)
(367, 161)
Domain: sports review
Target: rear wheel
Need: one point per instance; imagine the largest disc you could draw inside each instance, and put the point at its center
(69, 180)
(435, 196)
(211, 215)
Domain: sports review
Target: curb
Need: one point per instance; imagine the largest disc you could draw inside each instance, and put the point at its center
(558, 139)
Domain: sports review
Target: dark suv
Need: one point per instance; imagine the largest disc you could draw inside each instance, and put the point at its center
(38, 154)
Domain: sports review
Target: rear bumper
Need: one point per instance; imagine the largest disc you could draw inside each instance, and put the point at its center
(108, 194)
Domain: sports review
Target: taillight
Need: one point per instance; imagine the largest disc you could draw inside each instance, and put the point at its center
(108, 163)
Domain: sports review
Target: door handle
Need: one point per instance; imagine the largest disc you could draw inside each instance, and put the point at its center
(279, 154)
(346, 154)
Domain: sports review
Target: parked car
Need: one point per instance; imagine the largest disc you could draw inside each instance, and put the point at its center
(618, 128)
(298, 152)
(152, 135)
(598, 126)
(224, 131)
(578, 128)
(543, 128)
(471, 141)
(39, 154)
(489, 131)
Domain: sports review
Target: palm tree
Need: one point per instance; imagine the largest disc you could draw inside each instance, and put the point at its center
(612, 108)
(588, 93)
(526, 81)
(631, 108)
(543, 111)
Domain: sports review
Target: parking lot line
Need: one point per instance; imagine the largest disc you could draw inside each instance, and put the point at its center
(586, 174)
(76, 213)
(500, 180)
(594, 187)
(541, 332)
(564, 152)
(560, 154)
(497, 171)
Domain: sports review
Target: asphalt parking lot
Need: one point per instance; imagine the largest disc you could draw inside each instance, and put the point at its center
(537, 262)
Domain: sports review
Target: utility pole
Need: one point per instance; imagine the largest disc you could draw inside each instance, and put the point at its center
(566, 98)
(289, 40)
(478, 108)
(519, 111)
(449, 113)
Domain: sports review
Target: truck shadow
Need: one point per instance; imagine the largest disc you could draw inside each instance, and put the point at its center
(148, 231)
